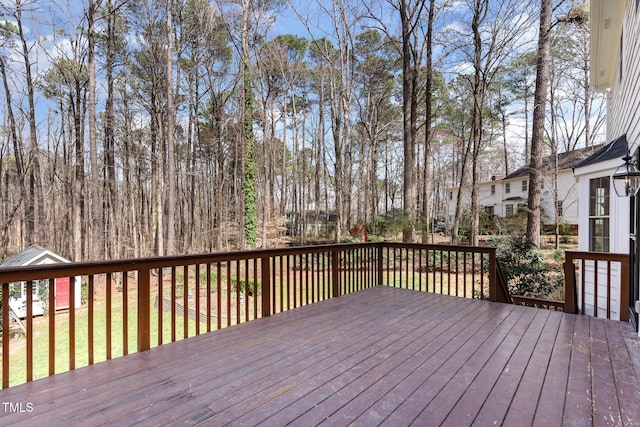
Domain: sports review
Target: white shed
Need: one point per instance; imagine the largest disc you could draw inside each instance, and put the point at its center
(35, 255)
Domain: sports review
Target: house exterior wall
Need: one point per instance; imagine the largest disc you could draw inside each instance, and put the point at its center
(618, 241)
(615, 68)
(567, 193)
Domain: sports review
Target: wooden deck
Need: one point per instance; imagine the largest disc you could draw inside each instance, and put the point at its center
(382, 356)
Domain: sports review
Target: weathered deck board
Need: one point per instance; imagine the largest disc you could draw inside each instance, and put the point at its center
(382, 356)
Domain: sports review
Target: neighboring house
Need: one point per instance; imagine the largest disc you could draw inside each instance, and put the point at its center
(609, 223)
(35, 255)
(503, 196)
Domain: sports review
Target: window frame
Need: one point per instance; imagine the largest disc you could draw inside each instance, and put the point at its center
(599, 214)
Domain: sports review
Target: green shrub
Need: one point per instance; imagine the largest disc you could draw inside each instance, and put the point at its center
(387, 227)
(240, 286)
(84, 293)
(558, 255)
(523, 267)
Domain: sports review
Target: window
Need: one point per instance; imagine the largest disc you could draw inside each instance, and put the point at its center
(507, 187)
(599, 214)
(493, 189)
(559, 208)
(508, 209)
(489, 210)
(524, 186)
(450, 195)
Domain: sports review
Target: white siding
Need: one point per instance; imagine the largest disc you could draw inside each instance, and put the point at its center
(624, 103)
(589, 294)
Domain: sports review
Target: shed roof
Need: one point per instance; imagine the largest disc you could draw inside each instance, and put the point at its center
(29, 256)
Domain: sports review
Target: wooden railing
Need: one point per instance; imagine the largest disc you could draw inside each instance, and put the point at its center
(133, 305)
(595, 280)
(464, 271)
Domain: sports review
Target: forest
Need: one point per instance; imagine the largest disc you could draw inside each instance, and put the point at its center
(156, 127)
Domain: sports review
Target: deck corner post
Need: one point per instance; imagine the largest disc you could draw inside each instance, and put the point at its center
(493, 273)
(569, 285)
(266, 286)
(335, 273)
(144, 310)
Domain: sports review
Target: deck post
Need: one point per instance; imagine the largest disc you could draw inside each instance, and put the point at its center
(266, 286)
(144, 310)
(569, 285)
(380, 263)
(493, 279)
(335, 273)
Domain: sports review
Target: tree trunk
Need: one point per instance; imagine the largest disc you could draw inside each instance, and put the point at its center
(537, 138)
(171, 178)
(96, 223)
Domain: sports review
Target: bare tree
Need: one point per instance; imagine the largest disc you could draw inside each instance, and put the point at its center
(537, 138)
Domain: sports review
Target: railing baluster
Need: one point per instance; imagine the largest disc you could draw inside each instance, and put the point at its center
(228, 293)
(266, 287)
(5, 342)
(246, 290)
(160, 307)
(481, 277)
(281, 283)
(197, 292)
(257, 286)
(238, 290)
(29, 337)
(473, 275)
(306, 277)
(208, 300)
(433, 267)
(174, 327)
(72, 323)
(91, 319)
(595, 288)
(52, 327)
(609, 291)
(420, 270)
(219, 295)
(125, 312)
(185, 301)
(313, 279)
(464, 274)
(289, 284)
(583, 281)
(109, 291)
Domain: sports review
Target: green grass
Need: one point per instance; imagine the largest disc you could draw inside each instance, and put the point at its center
(18, 360)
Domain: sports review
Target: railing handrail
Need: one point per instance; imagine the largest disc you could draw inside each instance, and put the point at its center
(46, 271)
(596, 256)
